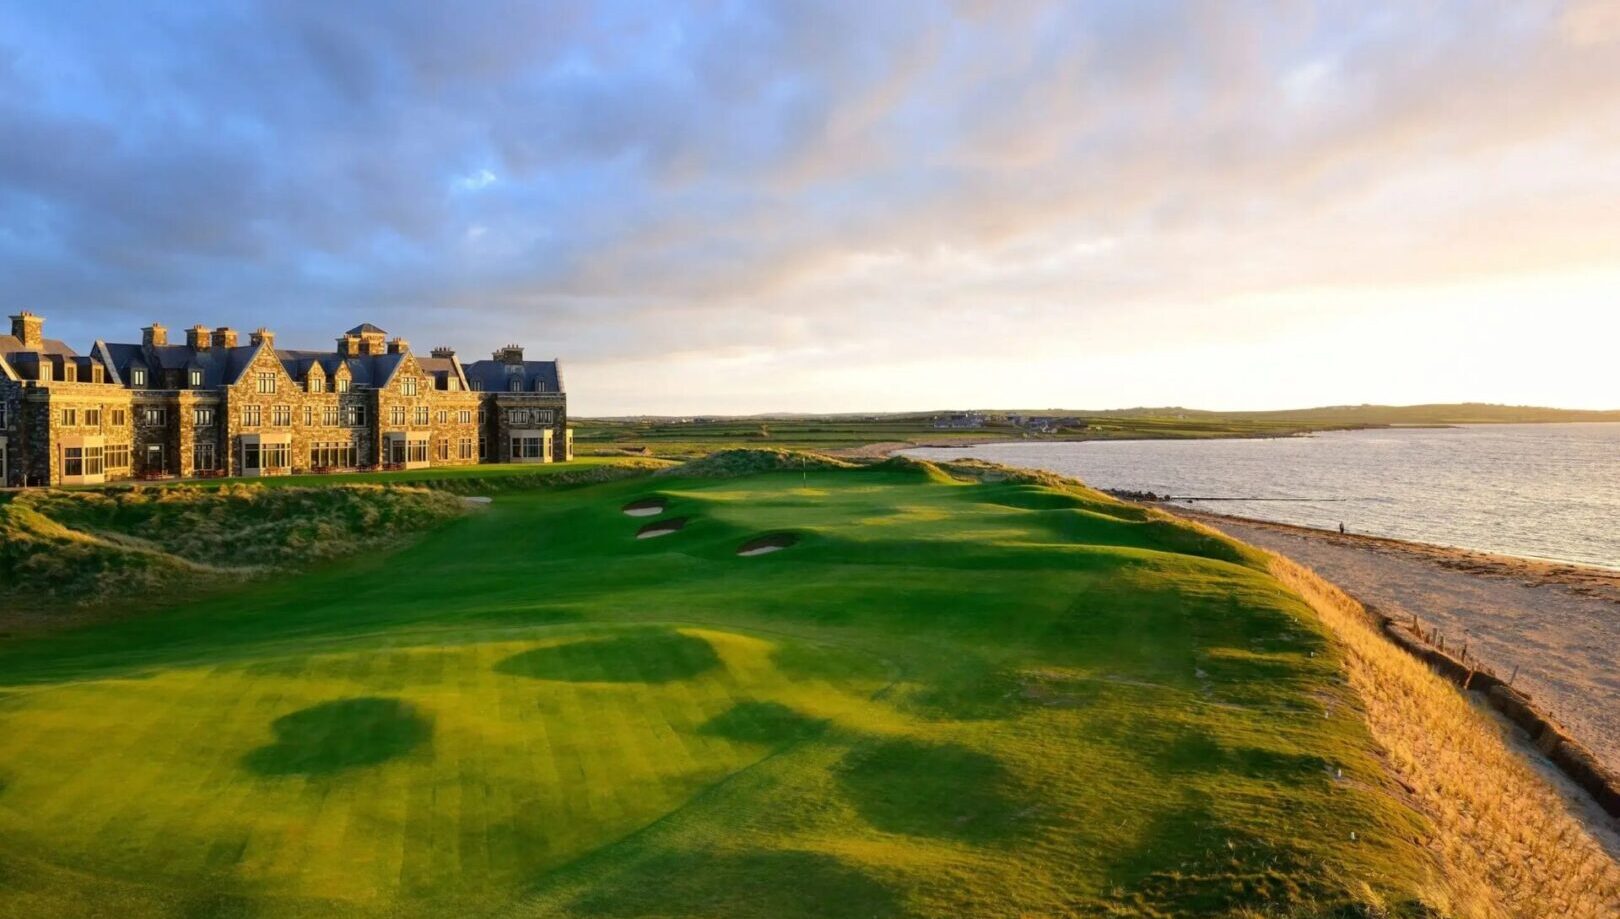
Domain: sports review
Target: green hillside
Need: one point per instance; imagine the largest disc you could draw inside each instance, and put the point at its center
(950, 694)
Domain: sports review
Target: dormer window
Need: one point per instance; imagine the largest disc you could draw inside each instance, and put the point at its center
(409, 385)
(343, 384)
(196, 379)
(516, 384)
(137, 376)
(539, 385)
(316, 384)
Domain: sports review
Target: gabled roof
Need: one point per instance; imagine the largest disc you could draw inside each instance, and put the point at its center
(15, 359)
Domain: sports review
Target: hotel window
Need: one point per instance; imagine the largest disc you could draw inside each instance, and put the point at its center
(202, 416)
(81, 461)
(396, 415)
(270, 456)
(96, 374)
(343, 384)
(250, 456)
(2, 414)
(119, 418)
(92, 417)
(251, 416)
(477, 385)
(309, 416)
(483, 447)
(443, 416)
(202, 457)
(196, 378)
(515, 385)
(444, 448)
(117, 456)
(154, 415)
(267, 382)
(527, 448)
(329, 416)
(408, 386)
(354, 416)
(421, 415)
(464, 448)
(137, 376)
(464, 416)
(332, 456)
(317, 384)
(281, 415)
(70, 419)
(517, 416)
(483, 415)
(542, 416)
(417, 452)
(539, 385)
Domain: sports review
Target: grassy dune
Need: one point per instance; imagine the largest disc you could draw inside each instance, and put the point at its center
(978, 695)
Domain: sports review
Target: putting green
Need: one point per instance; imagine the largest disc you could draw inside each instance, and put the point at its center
(945, 697)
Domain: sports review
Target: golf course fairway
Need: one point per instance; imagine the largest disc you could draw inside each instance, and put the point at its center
(939, 695)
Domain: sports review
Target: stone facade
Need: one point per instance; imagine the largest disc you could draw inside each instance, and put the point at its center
(216, 406)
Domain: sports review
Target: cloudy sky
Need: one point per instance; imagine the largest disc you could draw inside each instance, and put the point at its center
(751, 206)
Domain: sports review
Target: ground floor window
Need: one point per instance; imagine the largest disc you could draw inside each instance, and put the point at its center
(250, 456)
(483, 447)
(117, 456)
(275, 456)
(464, 448)
(82, 461)
(417, 451)
(443, 450)
(202, 457)
(332, 456)
(528, 448)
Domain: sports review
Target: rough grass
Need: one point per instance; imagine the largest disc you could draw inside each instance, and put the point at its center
(954, 697)
(1507, 842)
(131, 546)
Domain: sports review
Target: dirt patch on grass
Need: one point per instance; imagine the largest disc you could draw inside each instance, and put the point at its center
(661, 528)
(646, 507)
(765, 545)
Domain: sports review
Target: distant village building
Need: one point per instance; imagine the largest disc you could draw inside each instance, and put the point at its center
(217, 405)
(959, 421)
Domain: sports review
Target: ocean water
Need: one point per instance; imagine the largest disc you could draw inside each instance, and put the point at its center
(1537, 491)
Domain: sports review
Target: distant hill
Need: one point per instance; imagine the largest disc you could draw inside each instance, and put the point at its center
(1330, 415)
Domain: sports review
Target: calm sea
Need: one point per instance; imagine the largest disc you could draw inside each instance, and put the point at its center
(1549, 491)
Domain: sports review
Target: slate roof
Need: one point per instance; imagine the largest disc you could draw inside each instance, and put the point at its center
(220, 366)
(365, 328)
(495, 376)
(16, 361)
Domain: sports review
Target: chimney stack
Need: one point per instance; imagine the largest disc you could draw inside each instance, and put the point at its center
(29, 329)
(154, 336)
(511, 354)
(398, 346)
(349, 346)
(224, 337)
(262, 336)
(443, 352)
(197, 338)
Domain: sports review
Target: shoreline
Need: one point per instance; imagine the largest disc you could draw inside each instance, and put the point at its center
(1547, 630)
(1586, 580)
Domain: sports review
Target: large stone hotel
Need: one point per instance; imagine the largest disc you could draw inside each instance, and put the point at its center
(215, 404)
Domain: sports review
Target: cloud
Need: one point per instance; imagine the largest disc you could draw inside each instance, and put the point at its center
(832, 185)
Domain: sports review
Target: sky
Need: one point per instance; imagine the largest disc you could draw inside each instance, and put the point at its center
(735, 207)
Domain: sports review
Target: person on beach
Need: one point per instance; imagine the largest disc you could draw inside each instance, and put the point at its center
(1341, 528)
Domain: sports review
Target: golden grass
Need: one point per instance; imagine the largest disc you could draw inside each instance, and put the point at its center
(1505, 839)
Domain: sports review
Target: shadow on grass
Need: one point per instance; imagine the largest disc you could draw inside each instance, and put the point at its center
(643, 656)
(345, 734)
(769, 723)
(780, 884)
(1197, 751)
(950, 791)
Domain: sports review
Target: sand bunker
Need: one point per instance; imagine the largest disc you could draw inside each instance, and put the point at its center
(765, 545)
(476, 500)
(661, 528)
(646, 507)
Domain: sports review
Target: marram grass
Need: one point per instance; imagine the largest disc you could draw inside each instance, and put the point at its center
(949, 697)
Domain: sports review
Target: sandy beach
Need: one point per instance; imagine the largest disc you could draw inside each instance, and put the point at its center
(1558, 624)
